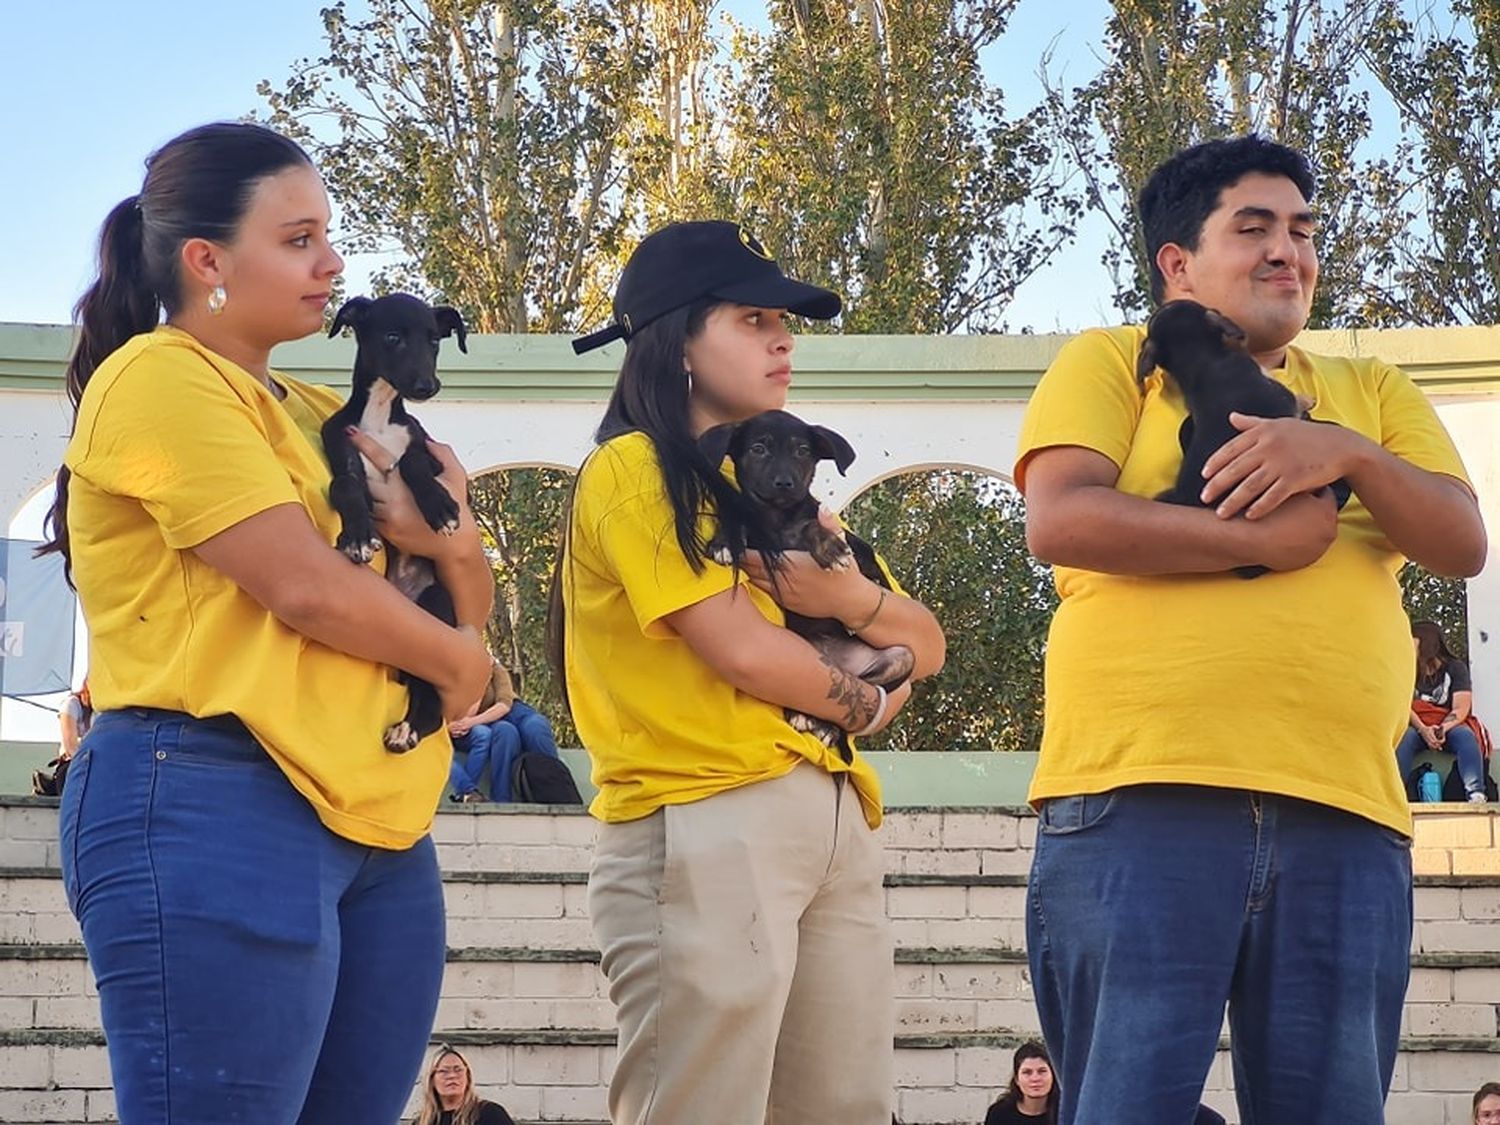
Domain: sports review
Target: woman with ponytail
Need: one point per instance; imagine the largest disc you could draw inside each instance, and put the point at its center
(737, 887)
(251, 869)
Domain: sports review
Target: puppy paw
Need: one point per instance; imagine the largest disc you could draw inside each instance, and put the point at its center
(360, 550)
(400, 737)
(825, 732)
(832, 553)
(441, 514)
(721, 555)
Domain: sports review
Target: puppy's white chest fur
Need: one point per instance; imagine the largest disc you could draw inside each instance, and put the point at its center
(376, 421)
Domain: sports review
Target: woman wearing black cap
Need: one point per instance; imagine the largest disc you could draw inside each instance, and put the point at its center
(736, 891)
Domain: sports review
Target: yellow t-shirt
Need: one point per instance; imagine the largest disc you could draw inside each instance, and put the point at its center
(1295, 683)
(662, 727)
(173, 445)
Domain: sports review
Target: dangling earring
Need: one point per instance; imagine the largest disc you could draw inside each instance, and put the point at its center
(688, 371)
(217, 298)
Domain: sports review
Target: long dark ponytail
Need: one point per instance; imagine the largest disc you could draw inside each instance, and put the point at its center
(198, 185)
(651, 397)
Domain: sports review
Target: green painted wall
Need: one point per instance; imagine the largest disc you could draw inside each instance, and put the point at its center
(828, 367)
(907, 779)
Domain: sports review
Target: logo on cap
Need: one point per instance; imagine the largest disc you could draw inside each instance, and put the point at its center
(751, 244)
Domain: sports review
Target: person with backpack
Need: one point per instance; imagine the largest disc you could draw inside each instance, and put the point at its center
(73, 721)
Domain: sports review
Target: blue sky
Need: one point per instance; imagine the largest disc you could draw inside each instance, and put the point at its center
(92, 86)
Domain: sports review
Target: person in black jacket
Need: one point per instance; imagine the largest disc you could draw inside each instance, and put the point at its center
(449, 1097)
(1031, 1097)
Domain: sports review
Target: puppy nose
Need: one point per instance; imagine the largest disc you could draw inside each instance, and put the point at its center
(783, 483)
(426, 387)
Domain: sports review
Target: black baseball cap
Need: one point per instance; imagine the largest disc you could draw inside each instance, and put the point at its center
(684, 262)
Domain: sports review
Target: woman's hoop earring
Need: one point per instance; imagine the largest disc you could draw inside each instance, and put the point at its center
(688, 371)
(217, 299)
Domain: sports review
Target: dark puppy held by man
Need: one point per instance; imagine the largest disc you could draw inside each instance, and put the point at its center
(1205, 354)
(398, 338)
(775, 456)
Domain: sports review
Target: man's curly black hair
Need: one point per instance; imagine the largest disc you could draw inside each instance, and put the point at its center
(1184, 190)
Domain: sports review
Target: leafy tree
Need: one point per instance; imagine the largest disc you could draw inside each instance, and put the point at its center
(480, 141)
(957, 542)
(1428, 597)
(1440, 263)
(869, 149)
(1182, 71)
(519, 512)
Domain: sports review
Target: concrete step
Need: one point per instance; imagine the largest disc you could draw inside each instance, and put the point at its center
(562, 1074)
(547, 910)
(937, 991)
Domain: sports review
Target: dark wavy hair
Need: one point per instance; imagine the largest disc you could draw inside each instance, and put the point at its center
(1184, 190)
(197, 185)
(1432, 646)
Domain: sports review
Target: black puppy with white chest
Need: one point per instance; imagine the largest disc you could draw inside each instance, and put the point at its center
(775, 455)
(1205, 354)
(397, 337)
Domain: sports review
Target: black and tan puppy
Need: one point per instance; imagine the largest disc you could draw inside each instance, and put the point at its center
(396, 360)
(1204, 352)
(775, 456)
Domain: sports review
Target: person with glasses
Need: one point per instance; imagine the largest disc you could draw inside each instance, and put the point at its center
(448, 1096)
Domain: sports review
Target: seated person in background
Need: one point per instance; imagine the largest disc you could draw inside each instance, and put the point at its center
(449, 1098)
(474, 735)
(1487, 1104)
(1442, 711)
(1032, 1093)
(73, 720)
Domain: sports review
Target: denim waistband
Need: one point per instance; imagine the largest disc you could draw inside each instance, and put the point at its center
(230, 724)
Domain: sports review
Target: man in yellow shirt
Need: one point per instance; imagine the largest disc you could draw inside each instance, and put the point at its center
(1220, 821)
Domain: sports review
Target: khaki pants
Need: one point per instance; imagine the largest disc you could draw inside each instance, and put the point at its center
(748, 955)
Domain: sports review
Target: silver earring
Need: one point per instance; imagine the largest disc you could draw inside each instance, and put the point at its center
(688, 371)
(217, 299)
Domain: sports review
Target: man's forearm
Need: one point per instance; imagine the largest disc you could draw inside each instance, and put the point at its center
(1430, 518)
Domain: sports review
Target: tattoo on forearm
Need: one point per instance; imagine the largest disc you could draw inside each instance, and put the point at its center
(847, 690)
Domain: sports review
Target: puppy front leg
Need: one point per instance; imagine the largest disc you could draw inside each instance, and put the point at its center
(438, 508)
(350, 496)
(424, 707)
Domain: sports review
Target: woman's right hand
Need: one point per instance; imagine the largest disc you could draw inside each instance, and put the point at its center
(464, 687)
(1432, 736)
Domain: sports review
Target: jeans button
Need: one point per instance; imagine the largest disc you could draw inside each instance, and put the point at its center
(161, 755)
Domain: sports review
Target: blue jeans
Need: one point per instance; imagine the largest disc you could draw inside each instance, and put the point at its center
(494, 746)
(1150, 907)
(252, 966)
(478, 745)
(1460, 742)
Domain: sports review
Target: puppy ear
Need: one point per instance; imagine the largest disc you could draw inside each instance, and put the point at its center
(715, 442)
(1148, 360)
(830, 445)
(350, 315)
(1234, 335)
(450, 322)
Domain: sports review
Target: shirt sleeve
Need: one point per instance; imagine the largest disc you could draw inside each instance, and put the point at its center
(172, 432)
(1458, 678)
(1411, 429)
(638, 538)
(1088, 397)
